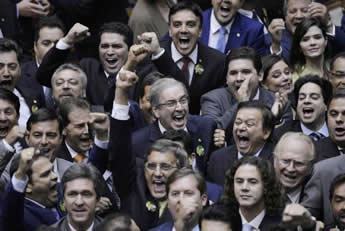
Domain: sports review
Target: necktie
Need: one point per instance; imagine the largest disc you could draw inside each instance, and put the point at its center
(79, 158)
(316, 136)
(185, 60)
(221, 39)
(111, 80)
(247, 227)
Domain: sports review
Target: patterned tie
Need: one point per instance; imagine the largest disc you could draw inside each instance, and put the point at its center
(247, 227)
(221, 39)
(185, 60)
(316, 136)
(79, 158)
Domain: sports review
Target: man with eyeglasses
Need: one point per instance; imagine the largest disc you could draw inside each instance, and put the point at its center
(293, 157)
(337, 69)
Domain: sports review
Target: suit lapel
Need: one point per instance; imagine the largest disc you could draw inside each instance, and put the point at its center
(205, 34)
(234, 39)
(155, 133)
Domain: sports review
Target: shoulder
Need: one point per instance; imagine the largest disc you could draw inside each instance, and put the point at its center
(247, 23)
(216, 55)
(216, 93)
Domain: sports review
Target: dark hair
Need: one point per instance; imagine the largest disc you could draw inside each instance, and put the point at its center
(148, 80)
(186, 5)
(338, 180)
(222, 213)
(82, 171)
(267, 116)
(325, 86)
(268, 62)
(165, 146)
(245, 53)
(183, 172)
(8, 45)
(272, 190)
(10, 97)
(338, 94)
(70, 104)
(50, 22)
(42, 115)
(337, 56)
(118, 28)
(180, 136)
(115, 222)
(297, 58)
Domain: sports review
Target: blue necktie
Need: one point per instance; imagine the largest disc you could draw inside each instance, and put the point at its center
(221, 39)
(316, 136)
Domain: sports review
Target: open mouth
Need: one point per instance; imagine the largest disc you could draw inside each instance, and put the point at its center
(179, 119)
(308, 112)
(5, 83)
(159, 186)
(184, 42)
(243, 141)
(290, 178)
(4, 130)
(111, 61)
(225, 10)
(339, 131)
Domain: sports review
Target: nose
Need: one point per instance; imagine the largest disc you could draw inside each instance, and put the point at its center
(339, 118)
(291, 166)
(66, 85)
(158, 171)
(2, 116)
(245, 186)
(299, 14)
(6, 72)
(184, 28)
(44, 140)
(79, 200)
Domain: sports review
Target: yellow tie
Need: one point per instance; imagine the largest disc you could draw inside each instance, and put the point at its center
(79, 158)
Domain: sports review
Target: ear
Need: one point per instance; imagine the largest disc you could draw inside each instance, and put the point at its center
(155, 112)
(260, 76)
(169, 32)
(204, 199)
(267, 133)
(64, 132)
(27, 137)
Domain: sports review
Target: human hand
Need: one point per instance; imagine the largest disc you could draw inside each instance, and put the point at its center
(77, 33)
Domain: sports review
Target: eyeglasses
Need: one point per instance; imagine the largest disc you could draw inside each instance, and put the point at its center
(162, 166)
(338, 74)
(173, 103)
(299, 165)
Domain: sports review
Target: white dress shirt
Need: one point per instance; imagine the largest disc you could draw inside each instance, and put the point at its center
(215, 29)
(323, 130)
(255, 223)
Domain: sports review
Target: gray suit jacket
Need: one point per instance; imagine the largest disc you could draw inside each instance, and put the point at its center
(316, 191)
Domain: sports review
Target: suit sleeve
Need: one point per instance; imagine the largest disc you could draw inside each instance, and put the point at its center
(337, 41)
(258, 41)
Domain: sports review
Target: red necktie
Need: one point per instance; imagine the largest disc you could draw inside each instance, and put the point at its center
(185, 60)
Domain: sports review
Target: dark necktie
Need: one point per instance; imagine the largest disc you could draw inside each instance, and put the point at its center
(111, 80)
(185, 63)
(316, 136)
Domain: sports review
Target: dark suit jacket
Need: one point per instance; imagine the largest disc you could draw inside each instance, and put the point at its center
(325, 148)
(62, 224)
(289, 126)
(212, 76)
(244, 32)
(223, 159)
(8, 19)
(21, 214)
(200, 129)
(269, 221)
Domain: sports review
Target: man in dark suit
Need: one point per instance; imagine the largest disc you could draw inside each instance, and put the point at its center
(294, 156)
(312, 95)
(281, 33)
(8, 19)
(185, 209)
(337, 69)
(185, 59)
(224, 28)
(244, 66)
(29, 99)
(252, 129)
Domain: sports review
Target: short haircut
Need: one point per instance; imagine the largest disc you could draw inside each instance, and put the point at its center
(267, 116)
(340, 55)
(149, 80)
(82, 171)
(8, 45)
(118, 28)
(186, 5)
(271, 187)
(268, 62)
(50, 22)
(72, 67)
(338, 94)
(337, 181)
(42, 115)
(165, 146)
(325, 86)
(296, 136)
(11, 98)
(115, 222)
(68, 105)
(222, 213)
(159, 86)
(285, 6)
(245, 53)
(186, 171)
(180, 136)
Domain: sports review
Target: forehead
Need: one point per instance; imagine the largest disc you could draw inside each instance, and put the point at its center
(8, 57)
(295, 149)
(314, 30)
(186, 182)
(339, 64)
(249, 113)
(310, 88)
(171, 93)
(108, 37)
(340, 189)
(4, 104)
(53, 33)
(41, 164)
(298, 3)
(237, 64)
(45, 126)
(184, 15)
(279, 65)
(80, 184)
(79, 114)
(161, 157)
(337, 104)
(68, 74)
(248, 171)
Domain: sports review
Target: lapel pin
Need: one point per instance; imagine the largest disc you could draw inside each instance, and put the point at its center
(238, 35)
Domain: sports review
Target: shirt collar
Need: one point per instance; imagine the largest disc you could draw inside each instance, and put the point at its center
(257, 95)
(215, 26)
(240, 156)
(196, 228)
(162, 129)
(73, 229)
(295, 195)
(323, 130)
(176, 56)
(256, 221)
(74, 153)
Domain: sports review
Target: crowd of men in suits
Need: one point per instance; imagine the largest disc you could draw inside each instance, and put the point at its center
(171, 133)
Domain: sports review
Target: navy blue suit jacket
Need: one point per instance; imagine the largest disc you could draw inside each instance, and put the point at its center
(200, 129)
(244, 32)
(168, 226)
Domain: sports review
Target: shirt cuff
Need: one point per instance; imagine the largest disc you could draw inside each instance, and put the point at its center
(277, 53)
(103, 144)
(61, 45)
(19, 185)
(8, 146)
(157, 56)
(120, 112)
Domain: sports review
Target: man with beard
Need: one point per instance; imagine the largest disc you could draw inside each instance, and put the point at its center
(31, 198)
(187, 196)
(10, 73)
(198, 67)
